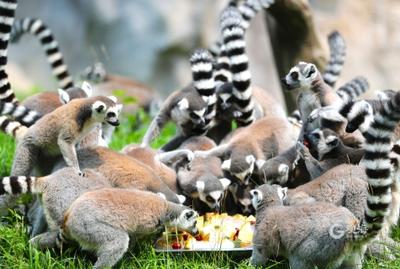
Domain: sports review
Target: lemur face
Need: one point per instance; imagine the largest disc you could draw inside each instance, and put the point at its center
(186, 221)
(109, 114)
(241, 169)
(213, 193)
(320, 142)
(269, 194)
(300, 76)
(95, 73)
(242, 197)
(225, 97)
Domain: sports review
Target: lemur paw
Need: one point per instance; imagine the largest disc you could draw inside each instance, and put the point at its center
(302, 150)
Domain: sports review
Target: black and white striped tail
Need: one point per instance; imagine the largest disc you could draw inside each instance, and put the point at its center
(203, 78)
(19, 113)
(95, 73)
(17, 185)
(353, 89)
(233, 36)
(378, 166)
(337, 47)
(49, 44)
(359, 116)
(11, 127)
(222, 69)
(7, 15)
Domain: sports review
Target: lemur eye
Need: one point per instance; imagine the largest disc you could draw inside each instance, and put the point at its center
(194, 115)
(312, 71)
(189, 214)
(111, 114)
(316, 135)
(294, 75)
(209, 199)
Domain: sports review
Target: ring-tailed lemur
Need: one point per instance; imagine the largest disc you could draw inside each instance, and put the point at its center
(104, 221)
(57, 133)
(49, 44)
(337, 48)
(7, 16)
(204, 181)
(95, 73)
(334, 229)
(187, 108)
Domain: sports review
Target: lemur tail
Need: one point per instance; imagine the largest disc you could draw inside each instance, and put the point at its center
(19, 113)
(201, 63)
(378, 167)
(12, 128)
(337, 47)
(21, 184)
(95, 73)
(49, 44)
(353, 89)
(7, 16)
(233, 36)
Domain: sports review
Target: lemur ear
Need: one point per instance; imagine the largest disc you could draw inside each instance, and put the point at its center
(87, 88)
(200, 186)
(119, 107)
(113, 98)
(99, 106)
(250, 159)
(256, 194)
(181, 198)
(183, 104)
(226, 165)
(332, 140)
(225, 182)
(282, 193)
(64, 96)
(312, 70)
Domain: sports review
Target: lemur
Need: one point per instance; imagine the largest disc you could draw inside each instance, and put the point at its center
(106, 84)
(238, 199)
(58, 190)
(263, 139)
(187, 108)
(7, 16)
(49, 44)
(57, 133)
(204, 181)
(304, 233)
(160, 162)
(105, 220)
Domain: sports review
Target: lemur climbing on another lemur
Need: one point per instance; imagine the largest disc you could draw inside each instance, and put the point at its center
(188, 108)
(329, 221)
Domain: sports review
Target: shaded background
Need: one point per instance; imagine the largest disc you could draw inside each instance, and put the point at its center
(151, 40)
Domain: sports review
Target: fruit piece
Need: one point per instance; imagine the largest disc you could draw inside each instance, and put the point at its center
(236, 235)
(176, 245)
(185, 236)
(198, 237)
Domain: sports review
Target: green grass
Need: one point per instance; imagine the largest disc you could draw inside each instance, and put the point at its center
(15, 251)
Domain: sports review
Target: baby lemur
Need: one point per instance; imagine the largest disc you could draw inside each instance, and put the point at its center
(323, 234)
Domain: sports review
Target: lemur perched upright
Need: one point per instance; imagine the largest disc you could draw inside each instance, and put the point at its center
(49, 44)
(187, 108)
(286, 230)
